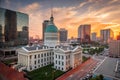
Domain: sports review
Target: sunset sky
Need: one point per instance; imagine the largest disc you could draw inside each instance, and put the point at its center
(69, 14)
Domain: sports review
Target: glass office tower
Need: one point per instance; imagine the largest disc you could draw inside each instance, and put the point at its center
(13, 28)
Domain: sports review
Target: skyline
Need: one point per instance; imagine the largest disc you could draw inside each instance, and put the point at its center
(99, 13)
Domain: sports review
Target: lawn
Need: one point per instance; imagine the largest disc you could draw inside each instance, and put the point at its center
(45, 73)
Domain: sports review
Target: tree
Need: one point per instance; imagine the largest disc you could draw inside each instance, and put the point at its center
(101, 77)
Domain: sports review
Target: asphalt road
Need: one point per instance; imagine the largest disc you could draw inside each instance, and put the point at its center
(107, 68)
(80, 71)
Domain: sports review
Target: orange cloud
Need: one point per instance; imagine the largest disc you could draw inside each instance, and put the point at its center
(70, 17)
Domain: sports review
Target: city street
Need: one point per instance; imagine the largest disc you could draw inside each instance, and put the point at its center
(107, 68)
(79, 72)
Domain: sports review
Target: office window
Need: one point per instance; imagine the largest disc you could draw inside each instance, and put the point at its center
(44, 59)
(56, 61)
(56, 56)
(47, 58)
(41, 55)
(38, 61)
(35, 62)
(30, 56)
(59, 62)
(62, 57)
(41, 60)
(59, 56)
(38, 55)
(45, 54)
(62, 63)
(35, 56)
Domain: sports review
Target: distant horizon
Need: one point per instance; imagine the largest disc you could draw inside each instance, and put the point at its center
(70, 14)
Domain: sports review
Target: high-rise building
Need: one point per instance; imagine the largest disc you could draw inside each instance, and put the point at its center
(118, 37)
(44, 25)
(63, 33)
(12, 24)
(106, 35)
(93, 36)
(114, 48)
(84, 32)
(1, 33)
(51, 35)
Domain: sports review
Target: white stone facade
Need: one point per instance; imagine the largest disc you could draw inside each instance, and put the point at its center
(35, 58)
(41, 56)
(66, 59)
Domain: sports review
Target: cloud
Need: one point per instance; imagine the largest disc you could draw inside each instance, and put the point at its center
(35, 18)
(82, 4)
(7, 3)
(100, 17)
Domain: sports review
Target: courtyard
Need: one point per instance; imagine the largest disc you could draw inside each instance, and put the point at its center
(45, 73)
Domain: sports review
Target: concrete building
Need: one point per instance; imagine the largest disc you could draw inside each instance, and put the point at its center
(94, 36)
(63, 57)
(44, 25)
(63, 34)
(11, 24)
(67, 57)
(118, 37)
(114, 48)
(33, 57)
(84, 32)
(106, 35)
(13, 31)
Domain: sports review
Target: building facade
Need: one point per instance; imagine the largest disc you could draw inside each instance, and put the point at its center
(44, 25)
(114, 48)
(84, 32)
(64, 58)
(12, 24)
(118, 37)
(34, 57)
(63, 34)
(94, 36)
(67, 57)
(106, 35)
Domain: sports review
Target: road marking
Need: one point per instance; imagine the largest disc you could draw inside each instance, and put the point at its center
(116, 67)
(99, 64)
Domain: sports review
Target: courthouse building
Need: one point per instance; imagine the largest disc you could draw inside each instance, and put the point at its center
(63, 57)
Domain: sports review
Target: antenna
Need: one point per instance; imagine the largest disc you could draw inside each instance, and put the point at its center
(51, 11)
(52, 18)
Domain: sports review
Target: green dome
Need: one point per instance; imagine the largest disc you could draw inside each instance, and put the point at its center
(51, 28)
